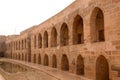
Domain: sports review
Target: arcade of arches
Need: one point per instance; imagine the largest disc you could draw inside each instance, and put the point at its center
(82, 43)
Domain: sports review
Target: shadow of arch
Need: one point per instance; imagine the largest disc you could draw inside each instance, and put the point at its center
(54, 61)
(102, 68)
(97, 25)
(46, 60)
(39, 59)
(80, 65)
(64, 63)
(1, 54)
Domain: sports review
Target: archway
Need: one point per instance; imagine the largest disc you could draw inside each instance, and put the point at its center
(18, 56)
(54, 61)
(26, 57)
(97, 25)
(1, 54)
(64, 38)
(53, 37)
(102, 68)
(45, 39)
(39, 41)
(39, 59)
(64, 63)
(34, 41)
(46, 60)
(78, 31)
(34, 58)
(22, 56)
(22, 44)
(80, 65)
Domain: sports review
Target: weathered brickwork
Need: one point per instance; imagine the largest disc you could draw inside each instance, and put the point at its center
(83, 39)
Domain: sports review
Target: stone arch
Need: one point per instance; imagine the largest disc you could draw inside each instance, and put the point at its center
(39, 41)
(39, 59)
(64, 35)
(45, 39)
(53, 37)
(97, 25)
(34, 41)
(80, 65)
(102, 68)
(1, 54)
(54, 61)
(22, 44)
(22, 57)
(25, 57)
(15, 56)
(78, 30)
(25, 43)
(46, 60)
(34, 58)
(19, 45)
(18, 56)
(15, 46)
(64, 63)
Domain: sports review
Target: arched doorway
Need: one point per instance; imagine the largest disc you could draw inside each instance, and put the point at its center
(64, 63)
(22, 56)
(78, 31)
(18, 56)
(80, 65)
(64, 38)
(102, 68)
(97, 25)
(34, 58)
(54, 61)
(39, 41)
(26, 57)
(46, 60)
(1, 54)
(34, 41)
(45, 39)
(53, 37)
(39, 59)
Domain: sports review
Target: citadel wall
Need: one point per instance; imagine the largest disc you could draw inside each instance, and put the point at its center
(83, 39)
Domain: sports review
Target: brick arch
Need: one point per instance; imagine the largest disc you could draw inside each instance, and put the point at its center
(39, 59)
(78, 30)
(80, 65)
(46, 60)
(45, 39)
(64, 63)
(102, 68)
(39, 41)
(64, 35)
(97, 25)
(53, 37)
(54, 61)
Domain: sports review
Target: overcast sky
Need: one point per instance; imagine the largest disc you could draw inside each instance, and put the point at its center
(18, 15)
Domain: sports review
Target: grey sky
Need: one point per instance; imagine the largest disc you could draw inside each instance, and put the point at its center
(18, 15)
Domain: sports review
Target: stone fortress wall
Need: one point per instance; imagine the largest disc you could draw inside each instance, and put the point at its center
(83, 39)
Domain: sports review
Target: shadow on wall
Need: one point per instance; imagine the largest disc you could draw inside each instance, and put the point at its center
(1, 54)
